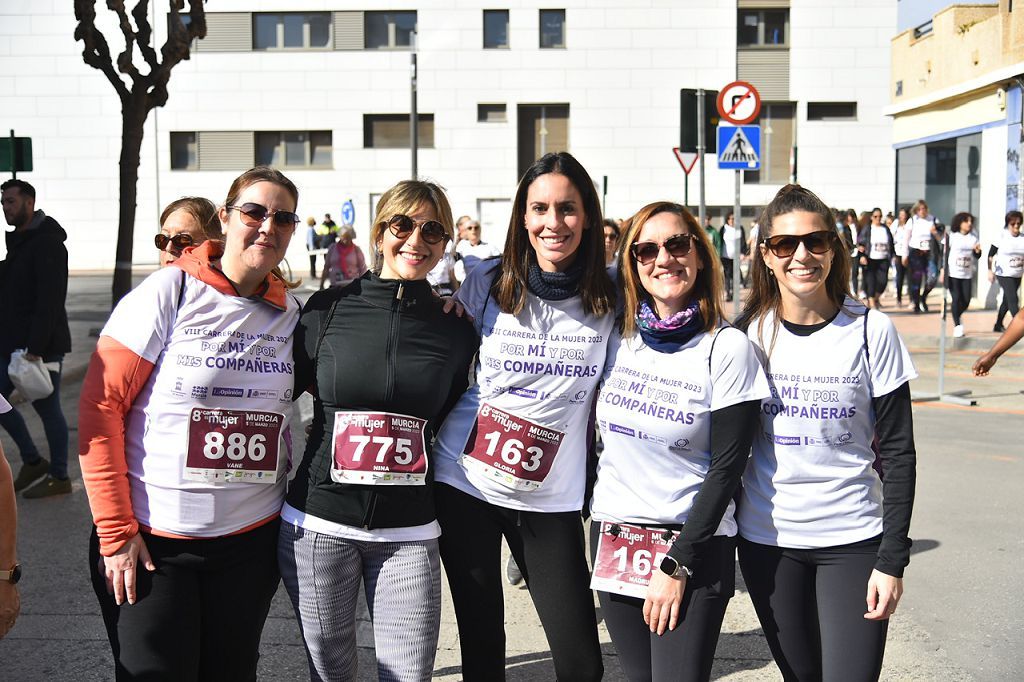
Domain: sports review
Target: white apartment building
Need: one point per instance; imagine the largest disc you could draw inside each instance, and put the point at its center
(321, 89)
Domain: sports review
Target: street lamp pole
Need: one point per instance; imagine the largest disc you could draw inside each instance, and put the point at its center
(414, 131)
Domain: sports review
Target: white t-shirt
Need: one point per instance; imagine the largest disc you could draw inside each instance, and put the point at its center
(1009, 260)
(729, 235)
(654, 412)
(442, 272)
(810, 481)
(919, 232)
(961, 255)
(878, 243)
(472, 256)
(218, 357)
(542, 365)
(899, 240)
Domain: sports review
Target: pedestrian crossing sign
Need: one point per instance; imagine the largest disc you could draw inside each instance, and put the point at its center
(739, 147)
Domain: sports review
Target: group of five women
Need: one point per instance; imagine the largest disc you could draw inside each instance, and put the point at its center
(185, 447)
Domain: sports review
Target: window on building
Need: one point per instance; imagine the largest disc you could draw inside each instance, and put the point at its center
(923, 30)
(294, 149)
(777, 138)
(762, 28)
(184, 151)
(291, 30)
(391, 131)
(831, 111)
(552, 28)
(495, 29)
(388, 30)
(491, 113)
(543, 128)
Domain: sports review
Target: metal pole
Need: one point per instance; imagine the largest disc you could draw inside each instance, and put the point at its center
(414, 129)
(736, 291)
(156, 141)
(702, 210)
(604, 197)
(14, 157)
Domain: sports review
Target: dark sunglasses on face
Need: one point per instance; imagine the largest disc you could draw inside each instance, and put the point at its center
(785, 245)
(431, 231)
(179, 241)
(254, 215)
(677, 246)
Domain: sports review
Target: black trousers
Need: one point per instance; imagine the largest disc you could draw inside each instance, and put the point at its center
(550, 552)
(917, 263)
(1010, 303)
(688, 652)
(876, 277)
(855, 269)
(200, 615)
(811, 604)
(901, 274)
(727, 265)
(960, 290)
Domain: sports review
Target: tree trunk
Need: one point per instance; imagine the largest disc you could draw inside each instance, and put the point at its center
(133, 120)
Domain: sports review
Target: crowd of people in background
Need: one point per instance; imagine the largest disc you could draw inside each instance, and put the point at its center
(457, 388)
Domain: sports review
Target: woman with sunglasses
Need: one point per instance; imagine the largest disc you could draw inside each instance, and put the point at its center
(384, 364)
(511, 457)
(185, 222)
(181, 425)
(823, 539)
(875, 246)
(677, 412)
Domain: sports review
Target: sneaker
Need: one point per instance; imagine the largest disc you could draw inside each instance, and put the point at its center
(924, 306)
(998, 328)
(958, 331)
(48, 487)
(512, 572)
(30, 472)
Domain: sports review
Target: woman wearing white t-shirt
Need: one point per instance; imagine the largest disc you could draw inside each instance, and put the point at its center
(875, 244)
(918, 240)
(900, 250)
(1006, 264)
(511, 456)
(184, 449)
(818, 527)
(963, 250)
(677, 412)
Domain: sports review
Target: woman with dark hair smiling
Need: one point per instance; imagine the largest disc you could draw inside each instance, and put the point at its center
(511, 457)
(673, 454)
(823, 539)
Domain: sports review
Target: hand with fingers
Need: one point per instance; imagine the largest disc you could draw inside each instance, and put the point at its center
(122, 569)
(884, 593)
(664, 601)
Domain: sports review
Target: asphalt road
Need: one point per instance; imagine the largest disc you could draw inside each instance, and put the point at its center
(961, 617)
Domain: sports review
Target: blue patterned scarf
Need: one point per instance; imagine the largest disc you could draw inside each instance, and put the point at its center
(668, 336)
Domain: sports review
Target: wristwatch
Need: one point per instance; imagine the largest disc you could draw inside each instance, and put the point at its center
(673, 568)
(12, 576)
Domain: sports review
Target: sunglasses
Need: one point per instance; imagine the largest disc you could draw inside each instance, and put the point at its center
(255, 215)
(179, 241)
(402, 227)
(677, 247)
(785, 245)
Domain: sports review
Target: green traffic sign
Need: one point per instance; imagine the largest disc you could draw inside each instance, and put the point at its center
(20, 159)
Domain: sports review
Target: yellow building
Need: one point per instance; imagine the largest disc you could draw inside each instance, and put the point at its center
(956, 108)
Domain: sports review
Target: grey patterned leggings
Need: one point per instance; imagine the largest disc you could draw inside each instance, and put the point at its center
(403, 591)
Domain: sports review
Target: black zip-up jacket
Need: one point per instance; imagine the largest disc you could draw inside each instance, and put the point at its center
(386, 346)
(33, 286)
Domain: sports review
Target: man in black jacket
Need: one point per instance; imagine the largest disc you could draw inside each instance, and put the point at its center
(33, 286)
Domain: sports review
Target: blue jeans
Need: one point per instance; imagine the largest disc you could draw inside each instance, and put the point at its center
(49, 411)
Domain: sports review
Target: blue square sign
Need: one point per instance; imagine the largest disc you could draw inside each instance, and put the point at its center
(739, 147)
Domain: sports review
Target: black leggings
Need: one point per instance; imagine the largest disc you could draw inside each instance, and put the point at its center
(200, 615)
(901, 273)
(727, 265)
(960, 290)
(550, 552)
(811, 604)
(688, 652)
(917, 263)
(876, 276)
(1010, 302)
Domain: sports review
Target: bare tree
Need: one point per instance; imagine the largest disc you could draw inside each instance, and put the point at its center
(139, 93)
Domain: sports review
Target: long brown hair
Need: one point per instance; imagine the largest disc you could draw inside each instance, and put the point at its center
(274, 176)
(596, 288)
(201, 210)
(707, 288)
(764, 288)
